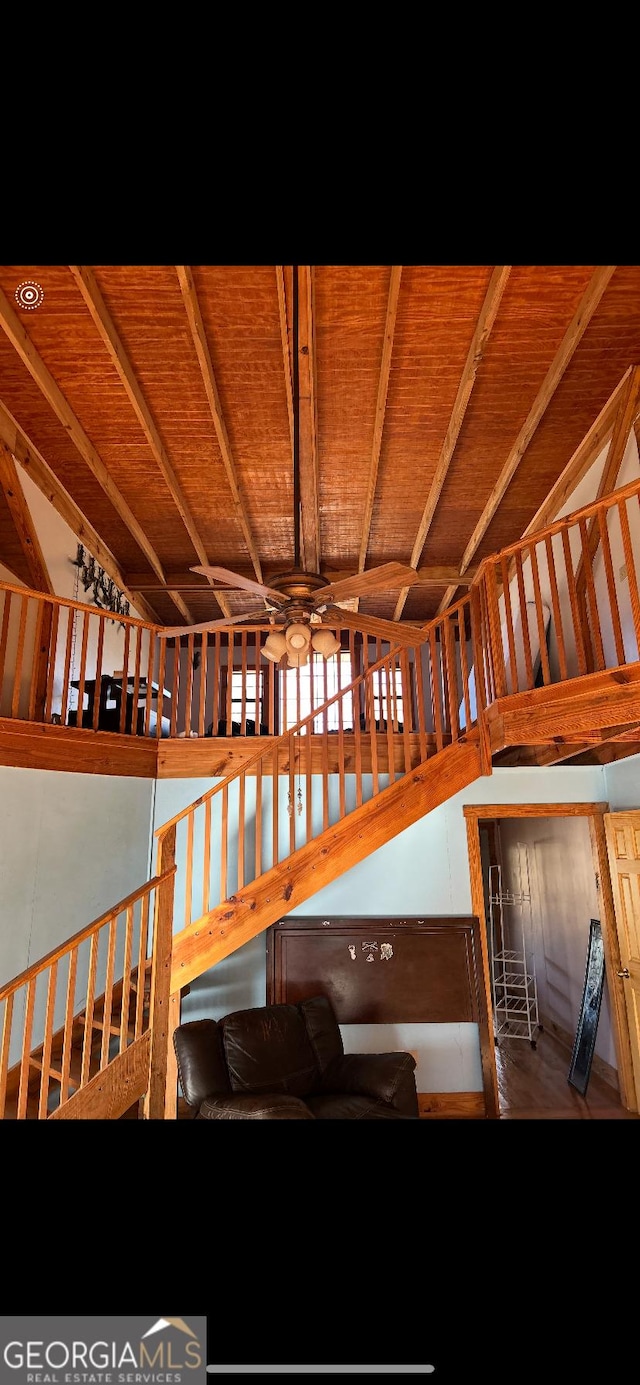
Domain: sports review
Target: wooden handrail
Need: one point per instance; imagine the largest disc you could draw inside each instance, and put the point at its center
(83, 933)
(585, 512)
(78, 606)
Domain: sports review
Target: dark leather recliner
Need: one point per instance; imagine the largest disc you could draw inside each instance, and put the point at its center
(287, 1062)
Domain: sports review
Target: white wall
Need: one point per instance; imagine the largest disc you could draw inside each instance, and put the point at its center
(71, 845)
(7, 576)
(623, 784)
(57, 541)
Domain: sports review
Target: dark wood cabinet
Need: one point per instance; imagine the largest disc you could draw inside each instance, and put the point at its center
(384, 970)
(378, 970)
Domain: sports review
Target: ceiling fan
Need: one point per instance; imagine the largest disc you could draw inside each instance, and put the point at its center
(297, 600)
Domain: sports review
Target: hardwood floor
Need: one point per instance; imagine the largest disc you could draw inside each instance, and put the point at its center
(532, 1085)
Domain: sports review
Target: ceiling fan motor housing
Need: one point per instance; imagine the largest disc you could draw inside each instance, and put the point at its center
(297, 585)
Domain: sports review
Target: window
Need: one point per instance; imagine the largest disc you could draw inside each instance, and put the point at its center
(302, 689)
(387, 697)
(247, 689)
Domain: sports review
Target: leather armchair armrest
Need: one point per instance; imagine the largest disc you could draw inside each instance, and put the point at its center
(386, 1077)
(268, 1106)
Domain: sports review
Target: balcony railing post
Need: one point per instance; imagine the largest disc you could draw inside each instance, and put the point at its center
(42, 662)
(160, 1010)
(497, 652)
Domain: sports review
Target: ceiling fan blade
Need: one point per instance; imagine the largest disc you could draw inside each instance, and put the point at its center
(168, 631)
(233, 579)
(378, 579)
(394, 630)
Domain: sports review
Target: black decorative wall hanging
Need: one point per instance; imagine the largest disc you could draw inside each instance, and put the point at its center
(104, 592)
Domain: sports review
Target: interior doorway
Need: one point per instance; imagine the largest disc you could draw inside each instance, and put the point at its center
(566, 872)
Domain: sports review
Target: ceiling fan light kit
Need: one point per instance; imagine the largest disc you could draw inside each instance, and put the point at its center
(297, 636)
(274, 646)
(324, 642)
(297, 658)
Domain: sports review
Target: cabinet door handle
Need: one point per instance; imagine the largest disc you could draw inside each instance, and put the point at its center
(624, 972)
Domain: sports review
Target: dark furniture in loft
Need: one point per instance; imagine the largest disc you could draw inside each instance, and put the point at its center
(110, 705)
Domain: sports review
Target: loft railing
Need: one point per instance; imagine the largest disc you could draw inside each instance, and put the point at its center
(564, 602)
(556, 605)
(66, 663)
(57, 661)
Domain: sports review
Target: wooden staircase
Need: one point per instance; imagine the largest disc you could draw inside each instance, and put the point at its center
(75, 1056)
(238, 919)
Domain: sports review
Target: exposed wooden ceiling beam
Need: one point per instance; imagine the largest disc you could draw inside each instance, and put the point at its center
(24, 347)
(572, 337)
(21, 515)
(484, 325)
(555, 751)
(622, 732)
(544, 755)
(284, 337)
(308, 430)
(583, 458)
(181, 579)
(87, 283)
(196, 325)
(607, 753)
(27, 454)
(308, 437)
(381, 404)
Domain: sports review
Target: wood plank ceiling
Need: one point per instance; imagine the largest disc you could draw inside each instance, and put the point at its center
(439, 405)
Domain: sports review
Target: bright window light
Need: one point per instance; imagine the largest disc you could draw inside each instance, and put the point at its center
(302, 689)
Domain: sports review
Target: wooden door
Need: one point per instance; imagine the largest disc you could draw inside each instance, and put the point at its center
(623, 845)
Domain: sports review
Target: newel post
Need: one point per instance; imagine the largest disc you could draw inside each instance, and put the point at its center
(160, 1011)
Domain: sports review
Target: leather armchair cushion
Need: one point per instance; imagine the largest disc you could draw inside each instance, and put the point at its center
(341, 1106)
(323, 1029)
(384, 1077)
(268, 1050)
(273, 1106)
(201, 1064)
